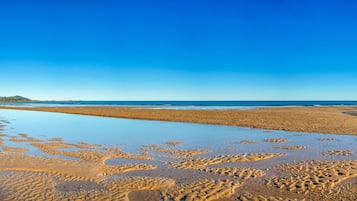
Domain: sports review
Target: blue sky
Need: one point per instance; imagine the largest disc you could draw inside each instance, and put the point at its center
(179, 50)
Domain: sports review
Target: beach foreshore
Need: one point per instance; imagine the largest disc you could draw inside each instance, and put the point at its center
(329, 120)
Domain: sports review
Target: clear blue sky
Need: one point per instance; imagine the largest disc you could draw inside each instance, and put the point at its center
(179, 50)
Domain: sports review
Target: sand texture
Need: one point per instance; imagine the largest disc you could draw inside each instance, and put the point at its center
(184, 153)
(262, 198)
(314, 175)
(237, 172)
(199, 163)
(82, 174)
(207, 190)
(333, 120)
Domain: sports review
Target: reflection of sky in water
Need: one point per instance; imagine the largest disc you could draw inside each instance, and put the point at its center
(134, 133)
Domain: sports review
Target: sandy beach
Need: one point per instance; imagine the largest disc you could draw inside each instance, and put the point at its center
(331, 120)
(169, 172)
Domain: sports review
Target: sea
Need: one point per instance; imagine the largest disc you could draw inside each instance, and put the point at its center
(182, 105)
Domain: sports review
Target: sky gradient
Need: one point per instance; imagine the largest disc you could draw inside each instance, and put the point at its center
(179, 50)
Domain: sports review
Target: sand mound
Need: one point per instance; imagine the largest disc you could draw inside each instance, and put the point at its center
(276, 140)
(314, 175)
(338, 153)
(206, 190)
(199, 163)
(237, 172)
(291, 147)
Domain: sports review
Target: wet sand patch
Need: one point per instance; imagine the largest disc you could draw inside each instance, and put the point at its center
(145, 195)
(326, 139)
(338, 153)
(276, 140)
(173, 143)
(248, 142)
(291, 147)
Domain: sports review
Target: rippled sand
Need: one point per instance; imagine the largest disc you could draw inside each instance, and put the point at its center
(84, 175)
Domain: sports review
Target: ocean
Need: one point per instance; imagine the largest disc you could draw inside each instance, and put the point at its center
(209, 105)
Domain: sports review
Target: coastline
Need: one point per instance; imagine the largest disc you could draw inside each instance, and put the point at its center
(328, 120)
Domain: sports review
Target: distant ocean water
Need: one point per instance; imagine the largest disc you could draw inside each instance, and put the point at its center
(209, 105)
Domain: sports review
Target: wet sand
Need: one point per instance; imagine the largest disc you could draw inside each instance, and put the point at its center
(331, 120)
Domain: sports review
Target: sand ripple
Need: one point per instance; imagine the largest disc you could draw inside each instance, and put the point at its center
(199, 163)
(315, 175)
(262, 198)
(205, 190)
(237, 172)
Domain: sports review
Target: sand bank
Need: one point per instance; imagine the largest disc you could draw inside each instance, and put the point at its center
(332, 120)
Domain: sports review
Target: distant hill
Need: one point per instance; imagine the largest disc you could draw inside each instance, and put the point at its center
(14, 99)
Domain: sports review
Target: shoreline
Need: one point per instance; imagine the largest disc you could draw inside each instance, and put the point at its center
(328, 120)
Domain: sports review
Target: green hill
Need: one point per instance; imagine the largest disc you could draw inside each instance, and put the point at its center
(14, 99)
